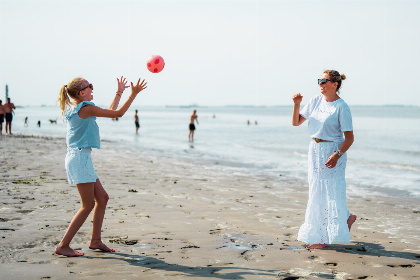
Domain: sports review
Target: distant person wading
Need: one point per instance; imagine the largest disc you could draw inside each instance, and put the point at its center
(192, 126)
(1, 116)
(8, 109)
(136, 121)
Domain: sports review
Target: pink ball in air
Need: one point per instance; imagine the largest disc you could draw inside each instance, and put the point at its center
(155, 64)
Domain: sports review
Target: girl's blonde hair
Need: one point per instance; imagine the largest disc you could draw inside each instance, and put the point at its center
(335, 77)
(71, 89)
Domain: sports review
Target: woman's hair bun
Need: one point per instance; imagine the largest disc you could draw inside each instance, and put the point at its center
(343, 77)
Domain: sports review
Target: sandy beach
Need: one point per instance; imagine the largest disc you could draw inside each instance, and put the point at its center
(171, 219)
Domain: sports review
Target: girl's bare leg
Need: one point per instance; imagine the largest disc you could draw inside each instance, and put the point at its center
(101, 198)
(86, 192)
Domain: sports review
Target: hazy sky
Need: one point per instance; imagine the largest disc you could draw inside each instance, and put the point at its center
(216, 52)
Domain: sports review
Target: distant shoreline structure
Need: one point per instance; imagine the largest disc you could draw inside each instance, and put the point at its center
(185, 106)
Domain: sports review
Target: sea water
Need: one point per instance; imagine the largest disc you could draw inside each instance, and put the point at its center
(385, 156)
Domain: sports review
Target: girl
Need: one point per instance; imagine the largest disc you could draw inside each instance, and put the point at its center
(82, 136)
(327, 218)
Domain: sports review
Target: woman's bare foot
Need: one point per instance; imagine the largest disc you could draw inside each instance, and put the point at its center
(351, 220)
(68, 252)
(316, 246)
(98, 245)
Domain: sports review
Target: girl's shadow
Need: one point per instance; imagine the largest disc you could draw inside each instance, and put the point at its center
(190, 271)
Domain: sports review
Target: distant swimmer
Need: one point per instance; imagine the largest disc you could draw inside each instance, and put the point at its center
(192, 126)
(136, 121)
(25, 124)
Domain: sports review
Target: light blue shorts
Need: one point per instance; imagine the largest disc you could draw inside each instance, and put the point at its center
(79, 166)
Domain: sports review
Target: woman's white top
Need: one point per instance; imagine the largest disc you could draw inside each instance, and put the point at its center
(327, 120)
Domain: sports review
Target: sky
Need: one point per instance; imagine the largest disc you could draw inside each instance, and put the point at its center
(217, 53)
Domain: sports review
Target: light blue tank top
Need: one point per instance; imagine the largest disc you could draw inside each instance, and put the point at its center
(82, 133)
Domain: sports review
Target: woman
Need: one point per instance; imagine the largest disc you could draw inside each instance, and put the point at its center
(327, 218)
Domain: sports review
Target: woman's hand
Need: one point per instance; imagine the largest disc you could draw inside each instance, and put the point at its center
(332, 160)
(297, 98)
(121, 85)
(297, 119)
(135, 89)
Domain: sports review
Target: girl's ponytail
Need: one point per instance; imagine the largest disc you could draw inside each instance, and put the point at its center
(67, 91)
(64, 99)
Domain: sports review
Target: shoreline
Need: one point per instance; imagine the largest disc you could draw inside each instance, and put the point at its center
(175, 220)
(237, 168)
(263, 149)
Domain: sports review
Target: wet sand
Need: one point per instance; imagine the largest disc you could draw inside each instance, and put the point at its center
(170, 219)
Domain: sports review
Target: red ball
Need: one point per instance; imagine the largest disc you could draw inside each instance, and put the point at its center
(155, 64)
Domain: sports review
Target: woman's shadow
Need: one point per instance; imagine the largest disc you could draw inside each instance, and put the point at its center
(189, 271)
(376, 250)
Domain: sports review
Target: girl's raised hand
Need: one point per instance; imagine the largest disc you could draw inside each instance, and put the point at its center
(122, 85)
(135, 89)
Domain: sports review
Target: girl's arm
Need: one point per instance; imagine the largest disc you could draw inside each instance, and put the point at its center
(88, 111)
(121, 87)
(297, 119)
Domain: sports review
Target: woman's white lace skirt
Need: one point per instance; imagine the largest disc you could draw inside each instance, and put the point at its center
(79, 166)
(326, 213)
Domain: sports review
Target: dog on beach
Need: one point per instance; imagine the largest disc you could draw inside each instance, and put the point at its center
(53, 121)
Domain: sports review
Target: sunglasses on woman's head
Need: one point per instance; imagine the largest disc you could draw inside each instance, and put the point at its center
(89, 86)
(323, 81)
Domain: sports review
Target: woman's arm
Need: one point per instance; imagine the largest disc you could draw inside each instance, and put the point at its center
(88, 111)
(121, 87)
(348, 141)
(297, 119)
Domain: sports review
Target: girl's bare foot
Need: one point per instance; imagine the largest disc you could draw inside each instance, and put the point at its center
(98, 245)
(68, 252)
(351, 220)
(316, 246)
